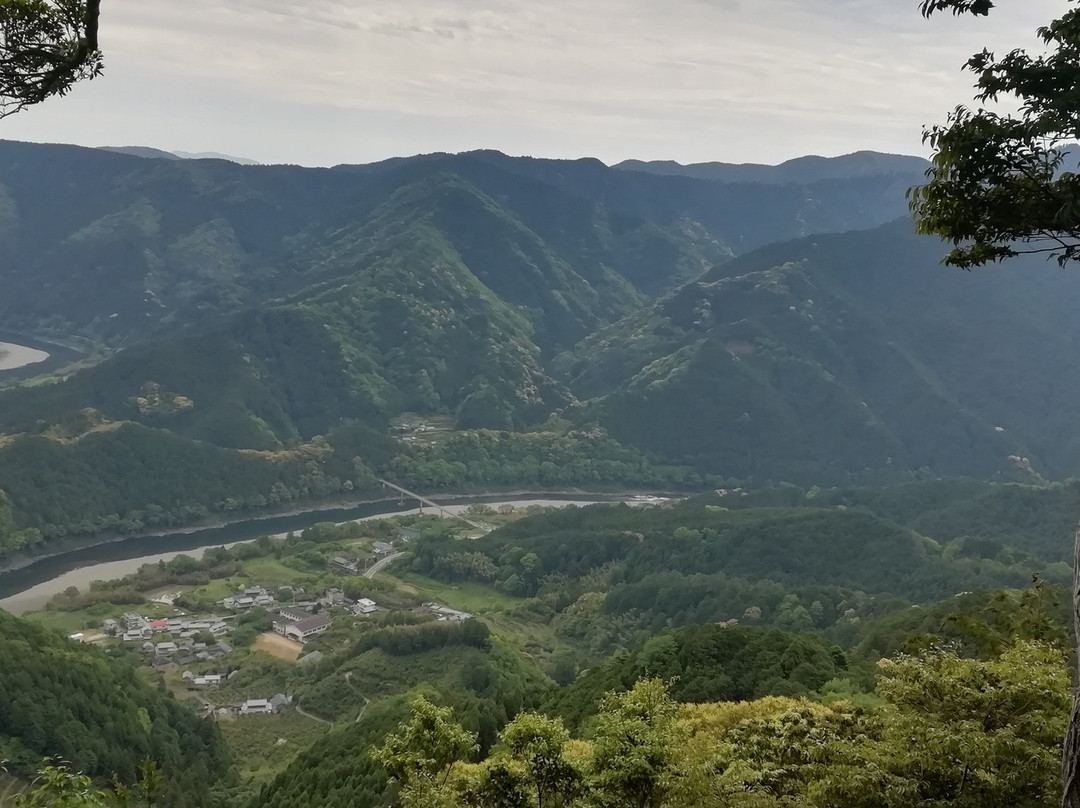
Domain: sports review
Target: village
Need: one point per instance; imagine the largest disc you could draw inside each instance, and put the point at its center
(194, 650)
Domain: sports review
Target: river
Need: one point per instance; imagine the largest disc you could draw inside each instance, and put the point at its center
(14, 356)
(30, 588)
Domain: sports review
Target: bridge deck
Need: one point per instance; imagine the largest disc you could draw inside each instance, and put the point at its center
(425, 501)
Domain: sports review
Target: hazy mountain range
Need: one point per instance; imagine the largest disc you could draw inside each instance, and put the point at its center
(746, 322)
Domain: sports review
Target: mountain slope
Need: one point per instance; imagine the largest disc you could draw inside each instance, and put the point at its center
(58, 698)
(845, 355)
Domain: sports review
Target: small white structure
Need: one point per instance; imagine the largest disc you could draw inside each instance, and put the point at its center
(365, 606)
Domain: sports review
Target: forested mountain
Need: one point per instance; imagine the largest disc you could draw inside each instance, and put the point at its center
(58, 698)
(845, 354)
(148, 243)
(622, 320)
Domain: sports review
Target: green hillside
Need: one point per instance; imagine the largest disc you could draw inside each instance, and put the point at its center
(844, 357)
(78, 704)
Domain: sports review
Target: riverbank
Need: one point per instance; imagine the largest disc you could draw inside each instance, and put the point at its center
(14, 356)
(66, 547)
(31, 587)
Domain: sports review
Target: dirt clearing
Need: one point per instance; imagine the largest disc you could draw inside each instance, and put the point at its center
(278, 646)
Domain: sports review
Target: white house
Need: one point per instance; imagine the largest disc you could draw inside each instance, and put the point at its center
(365, 606)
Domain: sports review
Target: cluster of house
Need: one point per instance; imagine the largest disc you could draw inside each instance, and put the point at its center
(248, 599)
(185, 652)
(133, 627)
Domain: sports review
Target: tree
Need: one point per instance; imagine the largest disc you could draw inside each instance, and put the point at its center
(538, 742)
(422, 753)
(636, 747)
(1000, 186)
(46, 46)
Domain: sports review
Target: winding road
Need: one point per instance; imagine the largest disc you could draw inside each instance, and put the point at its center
(382, 564)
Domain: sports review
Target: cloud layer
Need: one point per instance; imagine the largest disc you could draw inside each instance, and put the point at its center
(327, 81)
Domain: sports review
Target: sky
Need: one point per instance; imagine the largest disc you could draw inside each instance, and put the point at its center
(322, 82)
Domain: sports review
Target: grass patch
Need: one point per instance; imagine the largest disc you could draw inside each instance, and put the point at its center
(271, 573)
(469, 597)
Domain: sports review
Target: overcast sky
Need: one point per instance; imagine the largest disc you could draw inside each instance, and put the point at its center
(320, 82)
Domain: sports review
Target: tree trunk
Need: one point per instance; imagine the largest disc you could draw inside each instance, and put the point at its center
(1070, 758)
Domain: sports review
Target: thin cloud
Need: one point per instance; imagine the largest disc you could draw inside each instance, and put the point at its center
(327, 81)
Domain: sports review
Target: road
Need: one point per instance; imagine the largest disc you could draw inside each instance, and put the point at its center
(300, 710)
(379, 566)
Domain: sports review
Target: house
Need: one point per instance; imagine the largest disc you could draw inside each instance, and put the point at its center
(165, 648)
(444, 614)
(294, 613)
(133, 621)
(137, 634)
(302, 630)
(381, 548)
(159, 626)
(219, 628)
(207, 681)
(350, 565)
(256, 707)
(365, 606)
(239, 601)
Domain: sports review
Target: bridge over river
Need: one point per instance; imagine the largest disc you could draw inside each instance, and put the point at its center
(405, 492)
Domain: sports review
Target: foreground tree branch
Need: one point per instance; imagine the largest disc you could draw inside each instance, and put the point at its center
(1001, 185)
(46, 46)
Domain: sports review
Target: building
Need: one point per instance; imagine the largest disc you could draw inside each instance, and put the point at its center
(444, 614)
(294, 613)
(349, 565)
(166, 648)
(256, 707)
(302, 630)
(381, 548)
(365, 606)
(208, 681)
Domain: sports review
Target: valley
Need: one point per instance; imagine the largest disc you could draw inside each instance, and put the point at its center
(726, 439)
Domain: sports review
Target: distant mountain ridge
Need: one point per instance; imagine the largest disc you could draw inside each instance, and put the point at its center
(151, 153)
(800, 170)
